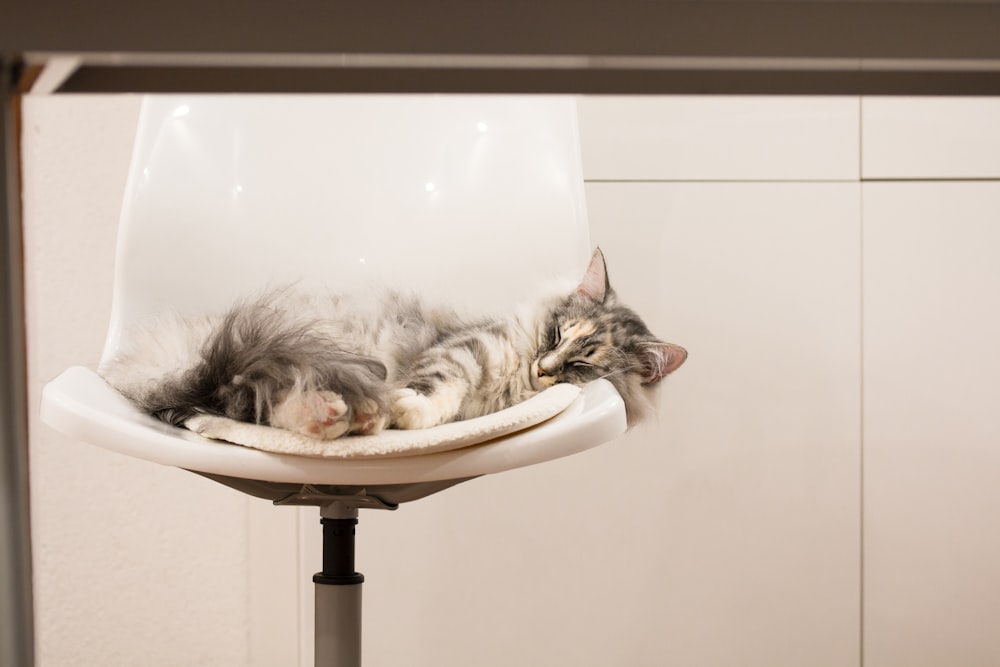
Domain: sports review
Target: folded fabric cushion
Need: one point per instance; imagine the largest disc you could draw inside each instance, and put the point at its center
(392, 442)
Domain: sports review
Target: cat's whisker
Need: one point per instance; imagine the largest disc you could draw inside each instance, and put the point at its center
(616, 373)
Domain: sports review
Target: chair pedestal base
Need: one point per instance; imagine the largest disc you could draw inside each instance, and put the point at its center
(338, 625)
(338, 591)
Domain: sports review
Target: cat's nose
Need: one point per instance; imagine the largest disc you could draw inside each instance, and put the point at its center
(547, 366)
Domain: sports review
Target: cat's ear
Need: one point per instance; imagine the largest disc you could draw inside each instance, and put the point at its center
(659, 360)
(595, 285)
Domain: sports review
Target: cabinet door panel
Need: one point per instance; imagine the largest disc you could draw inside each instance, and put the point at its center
(744, 493)
(940, 137)
(719, 138)
(932, 432)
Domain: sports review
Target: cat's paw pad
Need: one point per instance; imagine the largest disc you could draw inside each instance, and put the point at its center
(411, 410)
(368, 419)
(317, 414)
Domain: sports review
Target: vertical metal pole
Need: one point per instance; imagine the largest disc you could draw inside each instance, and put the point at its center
(16, 609)
(338, 591)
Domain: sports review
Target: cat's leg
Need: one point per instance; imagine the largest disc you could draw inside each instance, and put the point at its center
(362, 383)
(412, 410)
(326, 415)
(323, 395)
(438, 383)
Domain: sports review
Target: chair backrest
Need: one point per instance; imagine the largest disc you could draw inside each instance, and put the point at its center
(472, 200)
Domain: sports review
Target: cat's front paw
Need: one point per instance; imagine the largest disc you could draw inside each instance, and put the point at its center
(411, 410)
(317, 414)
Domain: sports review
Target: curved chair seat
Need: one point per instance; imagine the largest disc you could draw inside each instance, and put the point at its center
(80, 403)
(227, 195)
(472, 201)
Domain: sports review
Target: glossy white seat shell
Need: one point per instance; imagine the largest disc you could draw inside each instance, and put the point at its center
(470, 200)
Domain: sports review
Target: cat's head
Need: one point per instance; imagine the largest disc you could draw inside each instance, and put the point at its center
(590, 335)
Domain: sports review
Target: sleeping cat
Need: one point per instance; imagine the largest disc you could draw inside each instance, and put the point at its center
(329, 365)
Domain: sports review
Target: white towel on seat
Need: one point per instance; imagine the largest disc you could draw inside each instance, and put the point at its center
(392, 442)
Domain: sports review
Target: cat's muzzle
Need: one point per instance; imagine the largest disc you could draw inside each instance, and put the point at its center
(539, 378)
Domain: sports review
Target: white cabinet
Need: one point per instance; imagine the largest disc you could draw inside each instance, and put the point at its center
(931, 432)
(932, 424)
(744, 493)
(719, 138)
(930, 137)
(729, 267)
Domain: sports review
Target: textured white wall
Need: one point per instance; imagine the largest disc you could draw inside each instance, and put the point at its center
(135, 564)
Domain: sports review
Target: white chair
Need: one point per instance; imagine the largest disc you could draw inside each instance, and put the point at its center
(472, 200)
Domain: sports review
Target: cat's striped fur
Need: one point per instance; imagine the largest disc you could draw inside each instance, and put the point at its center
(329, 365)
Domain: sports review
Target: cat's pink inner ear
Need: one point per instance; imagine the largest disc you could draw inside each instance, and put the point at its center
(594, 285)
(661, 359)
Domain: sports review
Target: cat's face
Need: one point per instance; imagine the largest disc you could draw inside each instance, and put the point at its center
(590, 335)
(584, 341)
(574, 350)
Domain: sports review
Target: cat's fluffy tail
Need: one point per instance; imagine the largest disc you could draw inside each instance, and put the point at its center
(247, 363)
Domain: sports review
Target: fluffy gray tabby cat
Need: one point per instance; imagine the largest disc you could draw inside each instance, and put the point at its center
(329, 365)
